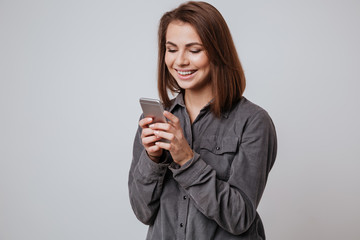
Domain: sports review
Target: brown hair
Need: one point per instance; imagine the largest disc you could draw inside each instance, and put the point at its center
(226, 73)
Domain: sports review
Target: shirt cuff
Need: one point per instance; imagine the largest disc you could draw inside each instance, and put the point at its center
(150, 169)
(189, 172)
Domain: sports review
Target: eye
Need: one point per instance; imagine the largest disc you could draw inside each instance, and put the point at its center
(170, 50)
(195, 50)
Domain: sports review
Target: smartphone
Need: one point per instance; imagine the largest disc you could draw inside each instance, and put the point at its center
(153, 108)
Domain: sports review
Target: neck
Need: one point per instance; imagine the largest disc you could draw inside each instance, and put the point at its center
(196, 100)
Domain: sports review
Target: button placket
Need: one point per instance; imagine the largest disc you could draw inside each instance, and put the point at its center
(183, 214)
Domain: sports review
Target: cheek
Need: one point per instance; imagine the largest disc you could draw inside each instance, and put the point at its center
(202, 61)
(168, 60)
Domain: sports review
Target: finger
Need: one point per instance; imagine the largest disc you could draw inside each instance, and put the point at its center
(150, 140)
(166, 146)
(173, 119)
(144, 122)
(153, 149)
(147, 132)
(160, 126)
(165, 135)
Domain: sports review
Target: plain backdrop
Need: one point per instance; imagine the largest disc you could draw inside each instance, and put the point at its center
(71, 74)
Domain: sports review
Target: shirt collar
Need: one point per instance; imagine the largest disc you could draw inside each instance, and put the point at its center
(179, 100)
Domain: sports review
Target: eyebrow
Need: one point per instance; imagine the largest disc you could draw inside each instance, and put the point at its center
(187, 45)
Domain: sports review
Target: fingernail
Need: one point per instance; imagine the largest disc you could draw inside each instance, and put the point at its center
(151, 126)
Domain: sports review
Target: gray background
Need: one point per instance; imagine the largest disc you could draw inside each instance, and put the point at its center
(71, 73)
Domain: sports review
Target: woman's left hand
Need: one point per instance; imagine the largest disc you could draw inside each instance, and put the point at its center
(178, 146)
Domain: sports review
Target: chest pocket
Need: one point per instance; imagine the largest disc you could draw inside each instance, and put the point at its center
(219, 153)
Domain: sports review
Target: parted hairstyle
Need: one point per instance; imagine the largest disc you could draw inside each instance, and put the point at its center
(226, 73)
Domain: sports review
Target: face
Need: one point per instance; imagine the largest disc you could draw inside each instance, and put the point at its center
(185, 57)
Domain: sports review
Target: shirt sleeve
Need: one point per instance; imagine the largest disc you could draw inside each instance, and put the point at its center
(145, 182)
(232, 204)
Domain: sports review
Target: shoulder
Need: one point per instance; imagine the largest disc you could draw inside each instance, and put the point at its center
(251, 118)
(246, 109)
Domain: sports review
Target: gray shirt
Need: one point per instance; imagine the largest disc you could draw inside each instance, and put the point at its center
(216, 193)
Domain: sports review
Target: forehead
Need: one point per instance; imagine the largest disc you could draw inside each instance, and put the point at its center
(180, 32)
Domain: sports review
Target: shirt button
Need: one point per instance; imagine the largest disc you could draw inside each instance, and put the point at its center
(185, 197)
(217, 148)
(181, 225)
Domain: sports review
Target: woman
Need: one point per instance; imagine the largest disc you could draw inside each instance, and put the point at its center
(207, 180)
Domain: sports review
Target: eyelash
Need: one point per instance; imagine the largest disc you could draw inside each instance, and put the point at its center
(193, 51)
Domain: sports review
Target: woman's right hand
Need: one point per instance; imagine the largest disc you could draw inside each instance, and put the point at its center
(149, 139)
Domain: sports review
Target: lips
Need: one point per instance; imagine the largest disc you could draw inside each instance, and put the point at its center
(185, 74)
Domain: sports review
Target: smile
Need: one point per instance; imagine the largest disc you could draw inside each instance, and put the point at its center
(185, 73)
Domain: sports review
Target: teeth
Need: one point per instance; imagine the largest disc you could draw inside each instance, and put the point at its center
(185, 73)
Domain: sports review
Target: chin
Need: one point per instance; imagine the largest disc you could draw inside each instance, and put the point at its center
(185, 85)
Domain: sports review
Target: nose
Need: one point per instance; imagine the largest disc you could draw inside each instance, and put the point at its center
(182, 59)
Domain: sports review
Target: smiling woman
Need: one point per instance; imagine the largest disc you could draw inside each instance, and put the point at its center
(207, 179)
(204, 25)
(187, 60)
